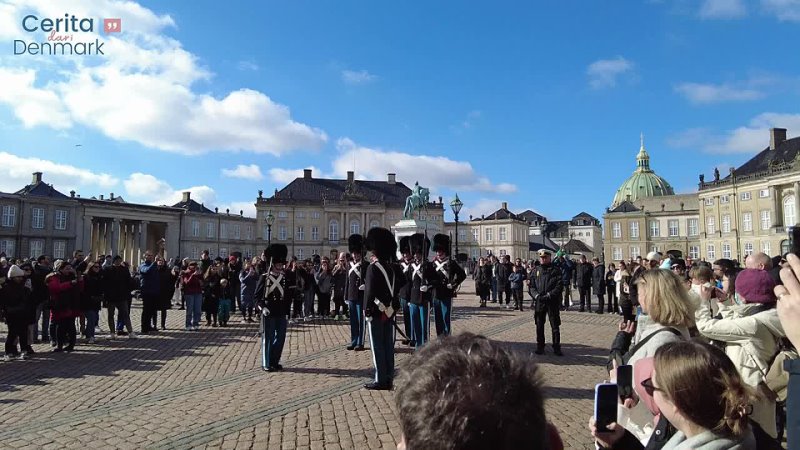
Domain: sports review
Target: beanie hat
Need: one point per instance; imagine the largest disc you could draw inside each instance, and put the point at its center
(15, 271)
(57, 265)
(755, 286)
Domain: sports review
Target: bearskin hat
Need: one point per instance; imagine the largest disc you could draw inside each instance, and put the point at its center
(355, 243)
(420, 244)
(441, 242)
(405, 245)
(277, 253)
(381, 243)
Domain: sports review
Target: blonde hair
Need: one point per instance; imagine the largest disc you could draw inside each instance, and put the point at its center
(667, 300)
(702, 382)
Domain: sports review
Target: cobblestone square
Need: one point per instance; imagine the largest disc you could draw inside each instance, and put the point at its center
(205, 389)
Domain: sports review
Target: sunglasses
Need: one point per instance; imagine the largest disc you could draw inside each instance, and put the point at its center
(649, 388)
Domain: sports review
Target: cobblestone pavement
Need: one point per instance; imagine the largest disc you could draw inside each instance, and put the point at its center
(205, 389)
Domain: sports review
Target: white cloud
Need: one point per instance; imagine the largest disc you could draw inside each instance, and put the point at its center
(147, 189)
(357, 76)
(750, 139)
(699, 93)
(149, 73)
(483, 206)
(248, 65)
(15, 173)
(722, 9)
(286, 176)
(430, 171)
(247, 172)
(784, 10)
(604, 73)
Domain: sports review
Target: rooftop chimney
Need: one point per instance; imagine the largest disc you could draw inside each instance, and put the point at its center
(111, 196)
(350, 176)
(216, 209)
(241, 212)
(307, 174)
(776, 137)
(101, 196)
(505, 205)
(72, 194)
(392, 178)
(186, 196)
(37, 177)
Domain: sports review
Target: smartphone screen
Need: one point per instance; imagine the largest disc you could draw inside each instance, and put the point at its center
(625, 381)
(605, 405)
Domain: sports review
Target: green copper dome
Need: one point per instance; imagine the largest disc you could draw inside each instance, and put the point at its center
(643, 183)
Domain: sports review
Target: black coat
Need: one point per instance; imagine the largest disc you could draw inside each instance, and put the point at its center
(599, 280)
(378, 290)
(503, 272)
(355, 279)
(450, 274)
(15, 301)
(405, 291)
(276, 304)
(93, 292)
(545, 287)
(583, 275)
(424, 276)
(166, 282)
(117, 284)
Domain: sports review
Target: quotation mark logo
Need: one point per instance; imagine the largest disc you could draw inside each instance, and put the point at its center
(112, 25)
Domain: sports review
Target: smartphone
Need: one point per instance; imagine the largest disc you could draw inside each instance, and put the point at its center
(625, 382)
(795, 240)
(605, 405)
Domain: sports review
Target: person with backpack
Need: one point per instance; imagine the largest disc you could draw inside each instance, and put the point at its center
(750, 332)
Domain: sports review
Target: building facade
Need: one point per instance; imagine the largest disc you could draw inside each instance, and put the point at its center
(500, 233)
(582, 234)
(646, 215)
(755, 206)
(315, 216)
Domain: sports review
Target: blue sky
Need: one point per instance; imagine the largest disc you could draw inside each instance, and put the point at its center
(539, 104)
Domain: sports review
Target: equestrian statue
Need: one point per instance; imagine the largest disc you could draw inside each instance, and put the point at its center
(418, 200)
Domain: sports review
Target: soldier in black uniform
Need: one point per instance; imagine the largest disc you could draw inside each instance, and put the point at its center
(274, 293)
(383, 283)
(421, 278)
(405, 292)
(448, 276)
(545, 288)
(354, 291)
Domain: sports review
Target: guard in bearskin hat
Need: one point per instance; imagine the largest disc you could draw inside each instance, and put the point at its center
(448, 276)
(354, 291)
(421, 287)
(274, 293)
(381, 301)
(405, 293)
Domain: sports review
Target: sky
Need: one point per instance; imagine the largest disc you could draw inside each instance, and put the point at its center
(538, 104)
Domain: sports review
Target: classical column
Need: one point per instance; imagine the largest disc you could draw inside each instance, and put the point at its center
(364, 226)
(343, 226)
(101, 236)
(113, 234)
(778, 219)
(86, 237)
(143, 240)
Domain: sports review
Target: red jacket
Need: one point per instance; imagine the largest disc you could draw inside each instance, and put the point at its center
(64, 297)
(192, 282)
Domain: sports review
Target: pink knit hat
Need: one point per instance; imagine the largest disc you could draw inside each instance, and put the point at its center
(755, 286)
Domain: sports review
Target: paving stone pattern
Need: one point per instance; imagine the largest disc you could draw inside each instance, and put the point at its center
(205, 389)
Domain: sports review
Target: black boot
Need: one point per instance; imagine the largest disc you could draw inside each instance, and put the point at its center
(557, 342)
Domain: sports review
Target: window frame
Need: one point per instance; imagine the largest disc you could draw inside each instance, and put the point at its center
(37, 219)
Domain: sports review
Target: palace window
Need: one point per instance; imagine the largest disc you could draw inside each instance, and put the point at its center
(333, 230)
(748, 248)
(60, 222)
(654, 230)
(726, 223)
(747, 221)
(726, 250)
(711, 225)
(634, 230)
(616, 230)
(9, 215)
(37, 218)
(789, 214)
(694, 226)
(59, 249)
(745, 196)
(710, 253)
(766, 220)
(673, 227)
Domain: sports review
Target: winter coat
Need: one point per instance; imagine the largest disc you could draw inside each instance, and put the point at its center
(16, 302)
(65, 297)
(567, 268)
(483, 279)
(623, 277)
(599, 280)
(751, 334)
(248, 281)
(92, 295)
(192, 282)
(117, 282)
(708, 440)
(324, 281)
(516, 279)
(211, 293)
(166, 289)
(40, 294)
(149, 282)
(504, 270)
(583, 275)
(339, 280)
(545, 287)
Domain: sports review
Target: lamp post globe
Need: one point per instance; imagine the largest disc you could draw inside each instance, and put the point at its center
(270, 220)
(456, 205)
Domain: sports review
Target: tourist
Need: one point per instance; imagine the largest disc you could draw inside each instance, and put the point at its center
(167, 279)
(449, 275)
(117, 293)
(517, 279)
(582, 281)
(234, 268)
(225, 300)
(150, 288)
(598, 284)
(698, 391)
(504, 268)
(567, 268)
(248, 278)
(16, 306)
(467, 392)
(354, 291)
(324, 283)
(483, 281)
(41, 298)
(192, 283)
(211, 280)
(545, 289)
(92, 299)
(611, 289)
(339, 275)
(65, 288)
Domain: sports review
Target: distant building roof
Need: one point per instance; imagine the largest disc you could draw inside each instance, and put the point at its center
(643, 183)
(193, 206)
(625, 207)
(575, 246)
(40, 189)
(536, 243)
(531, 216)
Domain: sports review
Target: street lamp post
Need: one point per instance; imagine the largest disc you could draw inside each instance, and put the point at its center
(270, 220)
(456, 205)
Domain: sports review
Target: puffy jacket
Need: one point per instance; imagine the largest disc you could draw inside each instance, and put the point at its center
(64, 297)
(751, 335)
(15, 300)
(148, 279)
(545, 287)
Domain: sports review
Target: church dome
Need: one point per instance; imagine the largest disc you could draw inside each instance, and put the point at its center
(643, 183)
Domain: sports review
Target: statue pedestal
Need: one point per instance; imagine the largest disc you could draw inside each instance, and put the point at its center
(407, 227)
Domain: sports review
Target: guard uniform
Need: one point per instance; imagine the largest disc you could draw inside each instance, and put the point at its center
(354, 292)
(421, 287)
(545, 288)
(405, 291)
(448, 276)
(274, 293)
(384, 280)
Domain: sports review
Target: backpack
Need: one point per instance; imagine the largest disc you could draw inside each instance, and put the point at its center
(776, 379)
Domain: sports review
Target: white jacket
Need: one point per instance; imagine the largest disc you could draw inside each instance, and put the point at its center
(751, 335)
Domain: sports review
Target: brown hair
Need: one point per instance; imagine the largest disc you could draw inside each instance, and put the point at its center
(667, 300)
(702, 273)
(702, 382)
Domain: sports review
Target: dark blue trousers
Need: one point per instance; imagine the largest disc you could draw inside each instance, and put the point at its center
(356, 323)
(272, 341)
(381, 340)
(441, 315)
